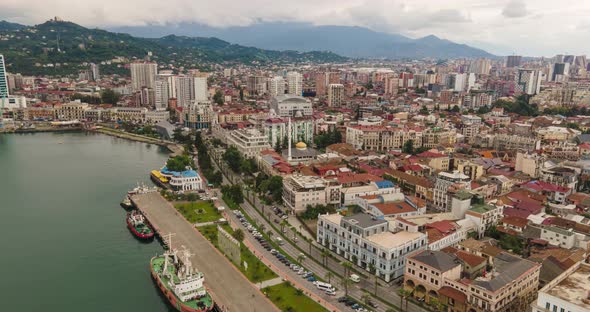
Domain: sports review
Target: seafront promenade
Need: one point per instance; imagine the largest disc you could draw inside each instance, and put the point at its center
(229, 288)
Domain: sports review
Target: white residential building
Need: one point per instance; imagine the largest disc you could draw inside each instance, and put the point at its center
(446, 181)
(367, 242)
(250, 142)
(566, 293)
(143, 75)
(276, 86)
(301, 191)
(294, 83)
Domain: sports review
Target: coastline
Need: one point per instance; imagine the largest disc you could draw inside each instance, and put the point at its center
(175, 149)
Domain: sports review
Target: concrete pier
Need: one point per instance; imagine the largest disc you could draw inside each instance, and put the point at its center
(229, 288)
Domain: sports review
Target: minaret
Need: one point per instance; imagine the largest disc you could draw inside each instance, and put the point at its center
(290, 135)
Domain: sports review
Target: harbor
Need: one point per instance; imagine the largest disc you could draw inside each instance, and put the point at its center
(221, 277)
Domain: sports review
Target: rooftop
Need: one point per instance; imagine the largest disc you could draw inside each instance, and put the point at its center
(437, 259)
(574, 288)
(508, 268)
(482, 208)
(363, 220)
(388, 240)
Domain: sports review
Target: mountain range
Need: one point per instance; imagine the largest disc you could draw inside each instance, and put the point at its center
(31, 49)
(350, 41)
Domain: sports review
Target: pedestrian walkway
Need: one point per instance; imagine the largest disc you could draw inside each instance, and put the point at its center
(204, 224)
(270, 282)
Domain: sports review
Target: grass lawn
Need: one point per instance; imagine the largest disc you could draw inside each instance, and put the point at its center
(257, 271)
(288, 298)
(198, 212)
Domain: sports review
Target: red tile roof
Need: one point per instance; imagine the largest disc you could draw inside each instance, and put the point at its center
(453, 293)
(469, 258)
(394, 208)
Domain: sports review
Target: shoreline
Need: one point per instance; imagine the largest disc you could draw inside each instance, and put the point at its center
(173, 148)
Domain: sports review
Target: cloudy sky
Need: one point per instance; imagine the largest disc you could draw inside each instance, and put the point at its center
(527, 27)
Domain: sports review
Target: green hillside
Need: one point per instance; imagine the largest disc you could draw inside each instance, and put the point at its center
(56, 42)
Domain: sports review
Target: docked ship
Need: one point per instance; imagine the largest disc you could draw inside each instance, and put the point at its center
(139, 189)
(182, 285)
(137, 224)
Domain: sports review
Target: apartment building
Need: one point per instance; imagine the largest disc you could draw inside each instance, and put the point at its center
(484, 216)
(506, 142)
(366, 241)
(511, 285)
(568, 292)
(70, 111)
(336, 95)
(300, 191)
(250, 142)
(446, 181)
(427, 270)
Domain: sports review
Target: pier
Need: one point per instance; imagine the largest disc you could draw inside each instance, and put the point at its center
(228, 287)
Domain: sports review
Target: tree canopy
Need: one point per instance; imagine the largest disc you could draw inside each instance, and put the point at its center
(179, 163)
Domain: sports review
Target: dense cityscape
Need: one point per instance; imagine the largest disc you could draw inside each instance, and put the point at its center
(318, 182)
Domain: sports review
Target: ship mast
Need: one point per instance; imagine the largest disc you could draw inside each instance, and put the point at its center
(168, 242)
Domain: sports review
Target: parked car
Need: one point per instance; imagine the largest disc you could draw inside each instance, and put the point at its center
(312, 279)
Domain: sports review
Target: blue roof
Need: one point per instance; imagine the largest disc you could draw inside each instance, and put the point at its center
(384, 184)
(186, 173)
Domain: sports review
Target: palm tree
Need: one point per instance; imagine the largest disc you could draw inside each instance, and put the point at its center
(301, 258)
(294, 233)
(365, 298)
(376, 285)
(403, 294)
(325, 254)
(283, 224)
(329, 276)
(269, 233)
(372, 268)
(345, 280)
(310, 240)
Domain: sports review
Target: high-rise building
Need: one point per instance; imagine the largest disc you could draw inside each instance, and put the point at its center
(162, 95)
(294, 83)
(276, 86)
(4, 93)
(256, 84)
(480, 66)
(201, 92)
(335, 95)
(94, 72)
(183, 90)
(560, 72)
(569, 59)
(143, 75)
(323, 80)
(513, 61)
(528, 81)
(581, 61)
(456, 81)
(391, 85)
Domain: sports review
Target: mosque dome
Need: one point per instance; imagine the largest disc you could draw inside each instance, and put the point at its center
(301, 146)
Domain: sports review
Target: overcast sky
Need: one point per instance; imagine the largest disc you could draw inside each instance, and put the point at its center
(527, 27)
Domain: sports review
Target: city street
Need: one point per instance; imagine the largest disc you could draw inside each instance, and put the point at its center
(293, 249)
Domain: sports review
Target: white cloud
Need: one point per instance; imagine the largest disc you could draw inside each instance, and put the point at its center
(532, 28)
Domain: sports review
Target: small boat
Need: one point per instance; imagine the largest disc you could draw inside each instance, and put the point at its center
(126, 203)
(141, 189)
(137, 224)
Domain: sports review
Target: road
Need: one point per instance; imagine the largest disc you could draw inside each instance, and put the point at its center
(229, 287)
(367, 285)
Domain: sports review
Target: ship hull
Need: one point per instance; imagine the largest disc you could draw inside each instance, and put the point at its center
(137, 234)
(177, 304)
